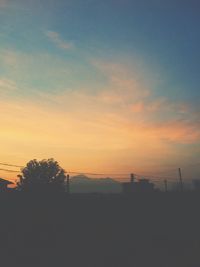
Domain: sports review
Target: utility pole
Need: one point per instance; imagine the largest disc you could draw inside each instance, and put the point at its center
(165, 183)
(132, 178)
(180, 179)
(68, 184)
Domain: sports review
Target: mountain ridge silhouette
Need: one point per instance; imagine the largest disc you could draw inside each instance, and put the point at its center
(82, 183)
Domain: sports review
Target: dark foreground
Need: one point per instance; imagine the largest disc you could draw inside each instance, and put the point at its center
(159, 230)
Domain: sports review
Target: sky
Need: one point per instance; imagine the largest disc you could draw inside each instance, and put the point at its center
(101, 86)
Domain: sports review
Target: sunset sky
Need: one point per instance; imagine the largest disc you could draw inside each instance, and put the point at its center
(101, 86)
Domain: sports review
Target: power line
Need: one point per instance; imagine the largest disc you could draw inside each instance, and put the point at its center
(11, 165)
(84, 173)
(155, 176)
(7, 170)
(160, 172)
(88, 173)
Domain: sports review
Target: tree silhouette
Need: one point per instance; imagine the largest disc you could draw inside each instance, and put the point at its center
(44, 175)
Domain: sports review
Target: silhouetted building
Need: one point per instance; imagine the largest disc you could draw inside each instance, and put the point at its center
(142, 185)
(4, 185)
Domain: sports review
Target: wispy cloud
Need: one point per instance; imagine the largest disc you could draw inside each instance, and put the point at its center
(160, 105)
(78, 124)
(135, 124)
(7, 85)
(58, 40)
(39, 71)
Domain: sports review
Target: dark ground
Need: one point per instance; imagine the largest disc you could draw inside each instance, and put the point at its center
(156, 230)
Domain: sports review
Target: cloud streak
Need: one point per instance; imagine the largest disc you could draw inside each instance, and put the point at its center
(87, 137)
(121, 123)
(58, 41)
(7, 86)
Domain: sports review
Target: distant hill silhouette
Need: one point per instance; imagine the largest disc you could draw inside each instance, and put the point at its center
(84, 184)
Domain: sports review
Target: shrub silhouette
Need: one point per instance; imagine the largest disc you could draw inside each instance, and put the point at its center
(44, 175)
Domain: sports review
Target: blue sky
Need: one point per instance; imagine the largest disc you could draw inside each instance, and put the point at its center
(164, 34)
(126, 72)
